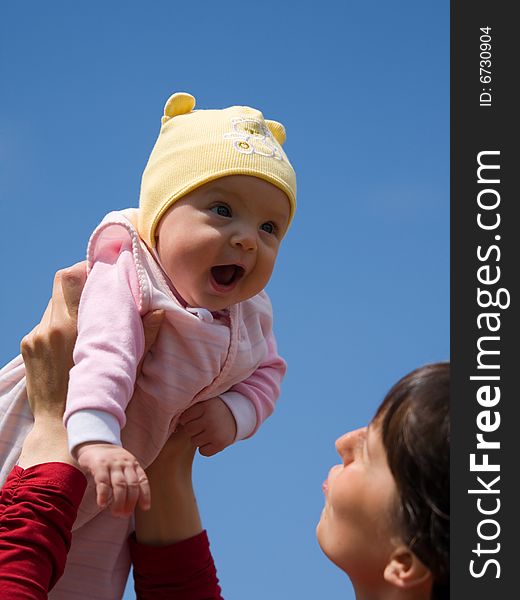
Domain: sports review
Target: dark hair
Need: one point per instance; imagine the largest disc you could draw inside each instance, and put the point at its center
(415, 426)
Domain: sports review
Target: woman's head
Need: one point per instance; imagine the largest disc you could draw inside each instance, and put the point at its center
(386, 517)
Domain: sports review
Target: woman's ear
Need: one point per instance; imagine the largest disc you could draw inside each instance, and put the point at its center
(405, 570)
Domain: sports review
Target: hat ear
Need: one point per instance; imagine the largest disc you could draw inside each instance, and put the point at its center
(278, 131)
(179, 103)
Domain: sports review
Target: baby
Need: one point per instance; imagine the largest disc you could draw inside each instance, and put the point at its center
(217, 196)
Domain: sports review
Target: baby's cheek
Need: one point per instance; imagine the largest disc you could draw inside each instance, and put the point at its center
(256, 284)
(268, 269)
(168, 257)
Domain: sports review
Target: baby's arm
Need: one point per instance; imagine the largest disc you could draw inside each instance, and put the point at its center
(109, 346)
(251, 401)
(237, 414)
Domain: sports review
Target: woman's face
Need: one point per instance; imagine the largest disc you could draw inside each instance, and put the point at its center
(357, 529)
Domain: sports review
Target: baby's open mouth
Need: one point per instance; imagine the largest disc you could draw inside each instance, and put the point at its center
(227, 274)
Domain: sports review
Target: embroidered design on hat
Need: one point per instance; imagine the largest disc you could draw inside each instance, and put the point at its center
(251, 136)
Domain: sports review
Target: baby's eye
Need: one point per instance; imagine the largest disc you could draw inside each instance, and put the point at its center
(222, 210)
(268, 227)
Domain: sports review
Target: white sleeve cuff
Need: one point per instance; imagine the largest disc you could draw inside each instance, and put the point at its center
(243, 411)
(92, 426)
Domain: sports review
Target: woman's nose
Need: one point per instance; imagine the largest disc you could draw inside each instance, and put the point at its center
(346, 444)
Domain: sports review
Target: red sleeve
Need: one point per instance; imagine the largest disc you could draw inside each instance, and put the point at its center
(38, 507)
(181, 571)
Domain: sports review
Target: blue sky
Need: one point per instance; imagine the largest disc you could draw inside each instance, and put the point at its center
(361, 288)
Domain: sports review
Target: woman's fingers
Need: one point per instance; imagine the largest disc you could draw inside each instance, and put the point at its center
(192, 414)
(47, 349)
(194, 428)
(209, 450)
(44, 321)
(201, 439)
(31, 340)
(66, 294)
(151, 325)
(56, 331)
(72, 284)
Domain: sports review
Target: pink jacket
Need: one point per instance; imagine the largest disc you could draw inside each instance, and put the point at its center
(195, 357)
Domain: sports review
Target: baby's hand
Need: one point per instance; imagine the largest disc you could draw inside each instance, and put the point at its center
(120, 480)
(211, 426)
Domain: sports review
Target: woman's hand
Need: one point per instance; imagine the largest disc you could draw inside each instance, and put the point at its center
(47, 354)
(211, 425)
(47, 349)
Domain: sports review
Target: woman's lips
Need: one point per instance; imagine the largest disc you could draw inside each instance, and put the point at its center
(325, 485)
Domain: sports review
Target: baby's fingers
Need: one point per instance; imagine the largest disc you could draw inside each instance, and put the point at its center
(121, 491)
(145, 495)
(132, 489)
(130, 485)
(103, 487)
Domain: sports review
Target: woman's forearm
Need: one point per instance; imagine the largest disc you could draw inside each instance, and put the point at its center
(167, 523)
(46, 442)
(174, 515)
(170, 551)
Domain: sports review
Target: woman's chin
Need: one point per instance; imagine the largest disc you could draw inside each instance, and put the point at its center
(321, 531)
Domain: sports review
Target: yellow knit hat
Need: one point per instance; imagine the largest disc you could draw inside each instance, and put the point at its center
(195, 147)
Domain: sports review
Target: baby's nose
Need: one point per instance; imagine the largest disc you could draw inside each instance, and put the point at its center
(244, 239)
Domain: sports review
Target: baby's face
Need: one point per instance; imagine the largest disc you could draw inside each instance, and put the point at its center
(219, 243)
